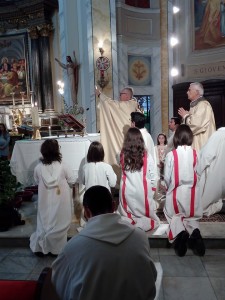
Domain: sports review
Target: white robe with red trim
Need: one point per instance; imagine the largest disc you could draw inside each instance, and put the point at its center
(136, 195)
(183, 204)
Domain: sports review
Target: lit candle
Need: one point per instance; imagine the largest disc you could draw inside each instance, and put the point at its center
(49, 131)
(35, 116)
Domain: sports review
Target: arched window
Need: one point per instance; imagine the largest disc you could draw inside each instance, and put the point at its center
(138, 3)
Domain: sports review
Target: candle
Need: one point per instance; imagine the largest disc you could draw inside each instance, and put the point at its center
(49, 131)
(22, 94)
(35, 116)
(31, 97)
(13, 99)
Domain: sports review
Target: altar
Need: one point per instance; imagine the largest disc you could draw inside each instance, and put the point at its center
(26, 155)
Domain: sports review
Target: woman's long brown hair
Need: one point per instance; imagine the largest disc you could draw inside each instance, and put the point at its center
(133, 150)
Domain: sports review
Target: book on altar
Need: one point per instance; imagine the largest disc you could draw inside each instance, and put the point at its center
(71, 122)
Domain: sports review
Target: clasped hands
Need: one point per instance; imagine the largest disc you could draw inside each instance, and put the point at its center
(182, 112)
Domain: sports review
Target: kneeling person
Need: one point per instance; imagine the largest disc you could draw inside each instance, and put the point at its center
(107, 252)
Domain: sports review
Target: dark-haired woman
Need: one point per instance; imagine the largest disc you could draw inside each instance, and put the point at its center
(96, 171)
(183, 206)
(54, 201)
(160, 151)
(138, 182)
(4, 142)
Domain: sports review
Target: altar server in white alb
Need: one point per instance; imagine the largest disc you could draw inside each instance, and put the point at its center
(211, 169)
(54, 213)
(183, 204)
(96, 171)
(138, 183)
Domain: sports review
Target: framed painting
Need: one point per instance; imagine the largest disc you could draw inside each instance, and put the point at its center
(139, 70)
(209, 24)
(14, 75)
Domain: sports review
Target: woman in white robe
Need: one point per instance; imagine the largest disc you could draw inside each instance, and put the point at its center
(54, 214)
(138, 183)
(96, 171)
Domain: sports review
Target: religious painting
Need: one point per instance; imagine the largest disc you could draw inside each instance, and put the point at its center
(139, 70)
(209, 24)
(13, 69)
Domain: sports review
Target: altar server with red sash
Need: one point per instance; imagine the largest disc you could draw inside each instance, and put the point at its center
(183, 206)
(138, 183)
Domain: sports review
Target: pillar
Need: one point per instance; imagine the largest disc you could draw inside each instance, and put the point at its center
(45, 66)
(164, 65)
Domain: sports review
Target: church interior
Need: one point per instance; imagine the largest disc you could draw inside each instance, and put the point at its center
(53, 56)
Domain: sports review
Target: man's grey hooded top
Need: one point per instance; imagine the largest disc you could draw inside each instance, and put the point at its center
(108, 260)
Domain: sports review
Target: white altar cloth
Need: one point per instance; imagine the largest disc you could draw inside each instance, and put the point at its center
(26, 155)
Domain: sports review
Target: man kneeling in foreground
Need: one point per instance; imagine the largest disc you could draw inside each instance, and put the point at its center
(109, 259)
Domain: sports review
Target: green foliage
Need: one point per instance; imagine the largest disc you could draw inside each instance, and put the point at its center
(8, 183)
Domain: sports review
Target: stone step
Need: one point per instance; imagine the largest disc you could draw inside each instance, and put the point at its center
(212, 230)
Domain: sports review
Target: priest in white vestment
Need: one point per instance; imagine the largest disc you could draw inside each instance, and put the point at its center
(115, 121)
(200, 117)
(211, 169)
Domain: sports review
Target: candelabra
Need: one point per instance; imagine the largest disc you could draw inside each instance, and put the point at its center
(23, 106)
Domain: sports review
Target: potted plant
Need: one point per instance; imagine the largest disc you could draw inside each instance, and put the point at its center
(9, 216)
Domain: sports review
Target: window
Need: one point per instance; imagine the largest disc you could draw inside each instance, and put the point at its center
(144, 105)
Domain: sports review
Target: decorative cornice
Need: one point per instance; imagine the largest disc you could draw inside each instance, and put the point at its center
(26, 13)
(33, 32)
(45, 29)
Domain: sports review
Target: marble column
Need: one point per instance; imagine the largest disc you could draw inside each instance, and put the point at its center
(45, 66)
(164, 65)
(35, 62)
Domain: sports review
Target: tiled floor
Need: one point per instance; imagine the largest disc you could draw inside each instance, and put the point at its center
(188, 277)
(192, 277)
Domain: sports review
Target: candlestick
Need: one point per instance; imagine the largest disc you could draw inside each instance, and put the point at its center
(22, 94)
(31, 97)
(13, 99)
(36, 133)
(49, 131)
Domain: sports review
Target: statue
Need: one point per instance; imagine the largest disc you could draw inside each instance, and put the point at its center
(72, 69)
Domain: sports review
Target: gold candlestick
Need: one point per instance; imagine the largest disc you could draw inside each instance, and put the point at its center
(13, 99)
(36, 133)
(22, 94)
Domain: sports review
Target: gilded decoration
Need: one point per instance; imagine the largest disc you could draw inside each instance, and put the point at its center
(45, 29)
(139, 70)
(25, 14)
(33, 32)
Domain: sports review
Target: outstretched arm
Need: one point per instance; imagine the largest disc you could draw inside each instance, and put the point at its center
(97, 91)
(61, 64)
